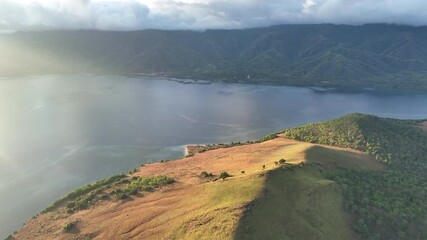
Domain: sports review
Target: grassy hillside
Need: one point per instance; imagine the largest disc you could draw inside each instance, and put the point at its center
(202, 206)
(374, 55)
(273, 189)
(303, 202)
(390, 204)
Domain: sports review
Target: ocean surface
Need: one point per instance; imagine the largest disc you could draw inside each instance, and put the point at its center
(58, 132)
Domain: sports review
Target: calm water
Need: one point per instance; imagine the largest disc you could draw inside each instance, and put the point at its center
(60, 132)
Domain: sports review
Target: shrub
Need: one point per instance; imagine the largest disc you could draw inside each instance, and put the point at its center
(119, 187)
(243, 172)
(69, 226)
(83, 191)
(205, 175)
(268, 137)
(71, 204)
(224, 175)
(103, 196)
(282, 161)
(147, 188)
(133, 191)
(119, 195)
(263, 166)
(289, 167)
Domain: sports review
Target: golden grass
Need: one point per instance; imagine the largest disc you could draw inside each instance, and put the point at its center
(224, 202)
(302, 203)
(189, 209)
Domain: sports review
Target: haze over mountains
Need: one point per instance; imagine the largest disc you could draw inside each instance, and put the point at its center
(373, 55)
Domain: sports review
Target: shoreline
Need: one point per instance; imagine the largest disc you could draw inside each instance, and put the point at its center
(318, 87)
(193, 149)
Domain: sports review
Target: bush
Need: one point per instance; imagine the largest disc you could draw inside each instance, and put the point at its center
(10, 237)
(69, 226)
(133, 191)
(289, 167)
(224, 175)
(268, 137)
(243, 172)
(119, 195)
(282, 161)
(83, 191)
(205, 175)
(71, 204)
(120, 188)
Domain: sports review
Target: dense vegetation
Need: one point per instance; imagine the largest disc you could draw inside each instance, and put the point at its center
(389, 204)
(374, 55)
(69, 226)
(118, 187)
(89, 190)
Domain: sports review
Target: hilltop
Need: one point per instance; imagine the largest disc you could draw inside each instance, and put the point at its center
(391, 204)
(373, 55)
(275, 188)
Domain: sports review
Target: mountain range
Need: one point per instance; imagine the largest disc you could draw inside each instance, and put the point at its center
(373, 55)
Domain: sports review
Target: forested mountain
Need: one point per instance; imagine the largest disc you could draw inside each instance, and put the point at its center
(374, 55)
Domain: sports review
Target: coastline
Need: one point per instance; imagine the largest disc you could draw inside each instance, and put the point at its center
(320, 87)
(193, 149)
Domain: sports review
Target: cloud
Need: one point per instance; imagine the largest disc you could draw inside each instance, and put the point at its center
(118, 15)
(202, 14)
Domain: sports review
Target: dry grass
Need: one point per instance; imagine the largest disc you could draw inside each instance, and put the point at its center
(424, 126)
(189, 209)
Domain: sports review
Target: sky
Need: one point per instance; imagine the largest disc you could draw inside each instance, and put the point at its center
(202, 14)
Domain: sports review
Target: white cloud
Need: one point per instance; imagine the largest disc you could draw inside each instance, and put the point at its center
(202, 14)
(118, 15)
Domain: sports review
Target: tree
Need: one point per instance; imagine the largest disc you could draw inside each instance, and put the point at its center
(224, 175)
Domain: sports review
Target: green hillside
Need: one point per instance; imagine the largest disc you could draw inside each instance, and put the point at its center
(389, 204)
(374, 55)
(299, 203)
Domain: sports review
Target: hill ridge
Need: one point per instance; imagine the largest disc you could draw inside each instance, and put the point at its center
(375, 55)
